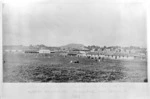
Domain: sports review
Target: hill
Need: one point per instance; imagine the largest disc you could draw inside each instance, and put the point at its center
(73, 46)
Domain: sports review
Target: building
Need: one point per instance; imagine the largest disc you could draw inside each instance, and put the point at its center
(73, 53)
(19, 49)
(14, 51)
(62, 53)
(7, 50)
(44, 51)
(31, 51)
(81, 55)
(93, 55)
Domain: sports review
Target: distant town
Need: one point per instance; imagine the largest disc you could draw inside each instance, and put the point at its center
(79, 50)
(74, 42)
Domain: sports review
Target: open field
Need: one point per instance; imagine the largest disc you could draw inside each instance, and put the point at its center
(20, 67)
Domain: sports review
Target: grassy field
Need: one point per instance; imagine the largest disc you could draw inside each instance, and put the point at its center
(20, 67)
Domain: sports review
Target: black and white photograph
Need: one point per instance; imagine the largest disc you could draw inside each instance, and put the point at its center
(44, 42)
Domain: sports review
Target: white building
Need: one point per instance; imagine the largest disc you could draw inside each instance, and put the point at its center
(7, 50)
(13, 50)
(82, 52)
(44, 51)
(19, 51)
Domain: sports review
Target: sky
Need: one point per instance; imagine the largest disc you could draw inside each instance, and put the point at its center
(57, 24)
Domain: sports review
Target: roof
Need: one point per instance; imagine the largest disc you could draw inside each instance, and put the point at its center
(81, 49)
(44, 49)
(93, 53)
(115, 53)
(75, 52)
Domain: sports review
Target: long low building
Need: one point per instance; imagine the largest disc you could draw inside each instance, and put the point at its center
(117, 56)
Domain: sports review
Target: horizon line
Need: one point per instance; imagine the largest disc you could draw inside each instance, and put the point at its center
(73, 43)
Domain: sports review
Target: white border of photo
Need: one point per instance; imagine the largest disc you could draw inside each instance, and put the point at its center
(121, 90)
